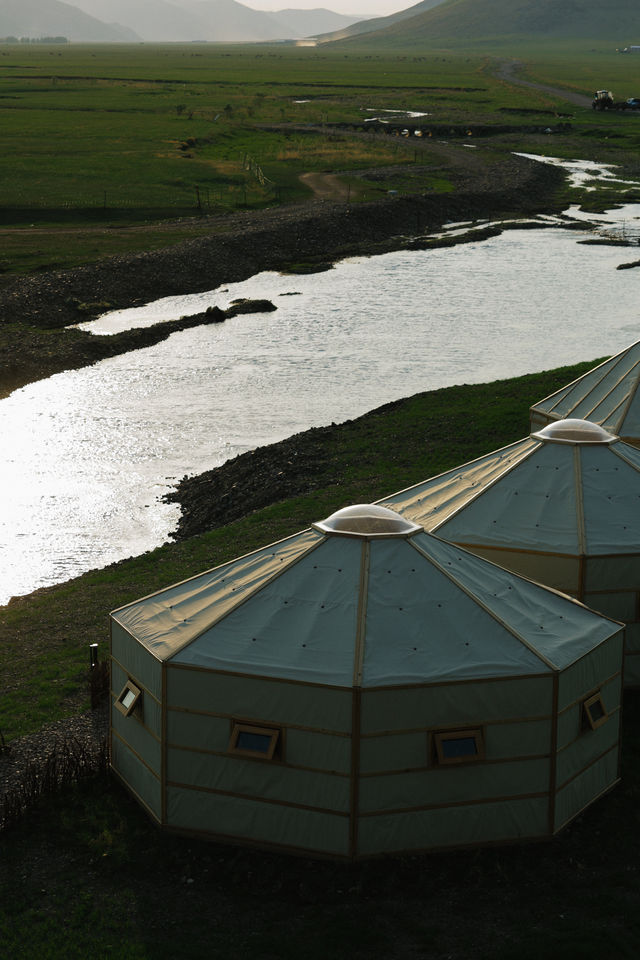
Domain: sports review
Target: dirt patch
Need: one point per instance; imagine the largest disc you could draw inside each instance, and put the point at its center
(326, 186)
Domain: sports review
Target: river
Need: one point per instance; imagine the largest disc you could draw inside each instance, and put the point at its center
(88, 454)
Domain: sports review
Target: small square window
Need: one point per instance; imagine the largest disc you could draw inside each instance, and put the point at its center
(594, 712)
(459, 746)
(248, 740)
(129, 698)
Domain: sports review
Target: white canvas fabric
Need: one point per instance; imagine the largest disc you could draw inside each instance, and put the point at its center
(607, 395)
(171, 618)
(562, 497)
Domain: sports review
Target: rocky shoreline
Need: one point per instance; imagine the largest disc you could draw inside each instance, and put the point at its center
(35, 310)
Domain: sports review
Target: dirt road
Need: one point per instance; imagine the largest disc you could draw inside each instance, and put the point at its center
(509, 70)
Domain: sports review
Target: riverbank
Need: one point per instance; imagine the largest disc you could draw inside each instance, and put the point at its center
(35, 310)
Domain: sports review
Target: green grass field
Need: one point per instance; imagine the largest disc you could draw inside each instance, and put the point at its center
(101, 138)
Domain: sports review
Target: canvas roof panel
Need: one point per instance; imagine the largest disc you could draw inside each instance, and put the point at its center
(421, 626)
(607, 395)
(611, 499)
(533, 504)
(165, 621)
(300, 626)
(431, 502)
(559, 630)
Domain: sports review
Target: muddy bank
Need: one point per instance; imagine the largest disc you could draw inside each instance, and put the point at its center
(34, 309)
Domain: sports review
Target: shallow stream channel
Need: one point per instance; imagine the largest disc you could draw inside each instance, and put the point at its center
(89, 454)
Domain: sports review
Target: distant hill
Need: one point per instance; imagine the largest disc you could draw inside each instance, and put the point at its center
(377, 23)
(221, 20)
(40, 18)
(308, 23)
(616, 20)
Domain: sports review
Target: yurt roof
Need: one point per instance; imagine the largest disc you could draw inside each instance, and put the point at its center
(348, 603)
(570, 488)
(607, 395)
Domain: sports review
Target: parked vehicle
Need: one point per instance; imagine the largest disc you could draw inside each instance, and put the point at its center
(602, 100)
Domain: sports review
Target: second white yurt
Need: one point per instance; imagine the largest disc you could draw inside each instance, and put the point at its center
(561, 506)
(363, 688)
(607, 395)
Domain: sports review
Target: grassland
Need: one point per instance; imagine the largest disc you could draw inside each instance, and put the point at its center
(105, 147)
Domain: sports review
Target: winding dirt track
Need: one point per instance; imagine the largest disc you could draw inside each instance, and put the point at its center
(508, 71)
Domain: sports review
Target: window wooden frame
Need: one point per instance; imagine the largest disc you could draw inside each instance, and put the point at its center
(124, 703)
(589, 720)
(273, 733)
(473, 733)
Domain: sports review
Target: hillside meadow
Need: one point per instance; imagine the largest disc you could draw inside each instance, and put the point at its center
(116, 148)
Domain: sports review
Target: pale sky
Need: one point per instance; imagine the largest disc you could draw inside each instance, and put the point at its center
(359, 8)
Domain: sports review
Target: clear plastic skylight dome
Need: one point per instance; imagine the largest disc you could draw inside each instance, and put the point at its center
(575, 431)
(367, 520)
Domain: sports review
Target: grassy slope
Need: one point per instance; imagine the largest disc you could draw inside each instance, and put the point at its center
(458, 20)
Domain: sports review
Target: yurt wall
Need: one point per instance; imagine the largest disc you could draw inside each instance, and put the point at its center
(298, 797)
(136, 718)
(419, 789)
(589, 710)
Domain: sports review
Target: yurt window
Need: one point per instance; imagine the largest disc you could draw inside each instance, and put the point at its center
(459, 746)
(129, 698)
(594, 712)
(249, 740)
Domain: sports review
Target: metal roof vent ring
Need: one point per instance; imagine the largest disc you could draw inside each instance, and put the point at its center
(575, 431)
(367, 520)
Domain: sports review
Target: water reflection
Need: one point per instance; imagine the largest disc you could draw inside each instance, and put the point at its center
(88, 453)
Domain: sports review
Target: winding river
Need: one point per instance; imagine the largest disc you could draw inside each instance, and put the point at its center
(89, 453)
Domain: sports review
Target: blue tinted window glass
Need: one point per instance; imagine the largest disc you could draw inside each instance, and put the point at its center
(596, 711)
(460, 747)
(256, 742)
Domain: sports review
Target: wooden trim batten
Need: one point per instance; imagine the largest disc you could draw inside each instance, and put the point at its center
(164, 748)
(354, 799)
(125, 743)
(586, 806)
(134, 793)
(254, 798)
(218, 672)
(553, 752)
(588, 766)
(450, 804)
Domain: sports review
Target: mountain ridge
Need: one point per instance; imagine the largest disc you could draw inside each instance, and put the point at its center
(162, 21)
(474, 20)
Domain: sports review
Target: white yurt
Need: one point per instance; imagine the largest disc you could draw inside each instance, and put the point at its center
(607, 395)
(561, 506)
(364, 688)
